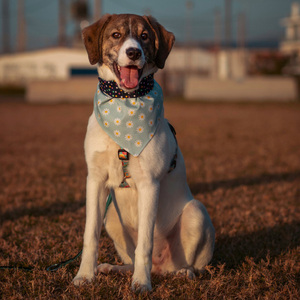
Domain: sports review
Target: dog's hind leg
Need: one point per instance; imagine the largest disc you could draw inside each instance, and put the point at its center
(197, 235)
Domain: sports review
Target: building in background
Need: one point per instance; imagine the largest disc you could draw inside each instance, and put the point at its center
(48, 64)
(291, 43)
(193, 70)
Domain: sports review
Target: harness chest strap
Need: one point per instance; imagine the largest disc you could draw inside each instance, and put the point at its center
(124, 157)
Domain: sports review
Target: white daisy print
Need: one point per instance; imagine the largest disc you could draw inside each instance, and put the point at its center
(129, 124)
(122, 98)
(98, 92)
(151, 123)
(131, 112)
(151, 135)
(106, 111)
(117, 133)
(119, 109)
(142, 104)
(111, 101)
(141, 117)
(128, 137)
(140, 129)
(117, 121)
(106, 124)
(99, 102)
(150, 108)
(133, 102)
(138, 143)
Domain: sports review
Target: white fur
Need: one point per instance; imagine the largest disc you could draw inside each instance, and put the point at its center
(156, 225)
(123, 59)
(106, 73)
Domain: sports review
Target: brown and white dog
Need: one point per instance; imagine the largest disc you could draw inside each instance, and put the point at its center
(156, 224)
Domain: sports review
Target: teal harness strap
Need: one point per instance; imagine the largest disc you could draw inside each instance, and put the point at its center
(108, 202)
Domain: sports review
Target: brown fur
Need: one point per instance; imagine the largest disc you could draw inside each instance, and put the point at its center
(102, 48)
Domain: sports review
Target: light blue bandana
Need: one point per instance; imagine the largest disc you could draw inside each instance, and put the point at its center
(130, 122)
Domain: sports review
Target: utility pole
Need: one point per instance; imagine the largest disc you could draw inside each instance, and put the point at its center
(217, 29)
(5, 27)
(241, 33)
(21, 39)
(97, 10)
(228, 40)
(188, 35)
(228, 23)
(189, 7)
(62, 23)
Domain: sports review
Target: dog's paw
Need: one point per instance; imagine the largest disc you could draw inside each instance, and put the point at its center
(187, 273)
(82, 279)
(105, 268)
(139, 287)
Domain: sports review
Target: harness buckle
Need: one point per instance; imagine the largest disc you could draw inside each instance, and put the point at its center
(123, 154)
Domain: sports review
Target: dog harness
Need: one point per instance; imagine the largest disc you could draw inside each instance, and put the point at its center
(124, 157)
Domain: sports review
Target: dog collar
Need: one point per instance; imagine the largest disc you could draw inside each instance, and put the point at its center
(112, 89)
(130, 122)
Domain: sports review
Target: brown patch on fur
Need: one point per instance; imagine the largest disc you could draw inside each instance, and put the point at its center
(93, 39)
(163, 43)
(103, 48)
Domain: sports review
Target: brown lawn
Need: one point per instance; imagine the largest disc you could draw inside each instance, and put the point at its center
(243, 163)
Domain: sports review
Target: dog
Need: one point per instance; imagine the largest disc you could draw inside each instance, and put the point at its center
(155, 223)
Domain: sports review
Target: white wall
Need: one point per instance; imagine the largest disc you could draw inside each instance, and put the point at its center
(191, 59)
(251, 89)
(40, 65)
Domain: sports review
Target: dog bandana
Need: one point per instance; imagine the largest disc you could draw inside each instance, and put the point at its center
(130, 120)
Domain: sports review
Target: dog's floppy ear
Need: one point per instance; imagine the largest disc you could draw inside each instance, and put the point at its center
(93, 37)
(164, 41)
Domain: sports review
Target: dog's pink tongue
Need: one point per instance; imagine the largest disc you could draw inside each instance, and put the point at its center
(129, 77)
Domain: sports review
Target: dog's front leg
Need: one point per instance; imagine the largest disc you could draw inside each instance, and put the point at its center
(148, 193)
(95, 205)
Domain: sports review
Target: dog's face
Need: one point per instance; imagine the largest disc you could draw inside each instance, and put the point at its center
(127, 48)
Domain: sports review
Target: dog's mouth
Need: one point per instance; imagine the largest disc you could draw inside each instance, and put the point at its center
(128, 76)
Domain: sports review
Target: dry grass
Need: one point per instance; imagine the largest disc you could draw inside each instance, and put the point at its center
(243, 163)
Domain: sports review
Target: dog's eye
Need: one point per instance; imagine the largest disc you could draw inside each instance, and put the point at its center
(116, 35)
(144, 36)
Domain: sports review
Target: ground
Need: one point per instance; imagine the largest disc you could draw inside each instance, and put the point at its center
(243, 163)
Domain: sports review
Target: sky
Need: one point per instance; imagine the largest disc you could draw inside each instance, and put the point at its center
(195, 24)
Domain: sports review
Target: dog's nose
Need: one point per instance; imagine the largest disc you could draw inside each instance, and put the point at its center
(133, 53)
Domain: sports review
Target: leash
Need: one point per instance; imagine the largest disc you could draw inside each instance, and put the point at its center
(124, 157)
(61, 264)
(51, 268)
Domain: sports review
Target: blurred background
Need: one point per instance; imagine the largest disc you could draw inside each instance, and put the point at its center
(231, 50)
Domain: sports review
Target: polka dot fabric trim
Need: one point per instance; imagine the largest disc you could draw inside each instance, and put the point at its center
(112, 89)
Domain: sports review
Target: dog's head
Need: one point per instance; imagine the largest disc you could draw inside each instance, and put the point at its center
(127, 48)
